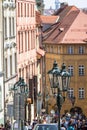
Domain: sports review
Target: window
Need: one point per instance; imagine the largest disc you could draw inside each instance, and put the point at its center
(59, 48)
(5, 28)
(33, 10)
(10, 65)
(51, 49)
(81, 93)
(70, 92)
(0, 97)
(32, 39)
(13, 27)
(20, 36)
(33, 34)
(19, 72)
(70, 50)
(81, 70)
(18, 10)
(21, 9)
(10, 27)
(25, 9)
(47, 48)
(15, 62)
(70, 70)
(81, 50)
(28, 10)
(22, 72)
(28, 40)
(6, 68)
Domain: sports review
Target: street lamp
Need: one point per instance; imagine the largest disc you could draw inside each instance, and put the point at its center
(59, 81)
(20, 92)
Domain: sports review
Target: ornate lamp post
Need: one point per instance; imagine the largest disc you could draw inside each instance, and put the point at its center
(59, 81)
(20, 91)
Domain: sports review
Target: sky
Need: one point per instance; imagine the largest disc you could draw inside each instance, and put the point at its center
(77, 3)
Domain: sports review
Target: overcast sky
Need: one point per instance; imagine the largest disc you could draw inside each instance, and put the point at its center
(77, 3)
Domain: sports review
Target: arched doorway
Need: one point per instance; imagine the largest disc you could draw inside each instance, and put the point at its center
(76, 109)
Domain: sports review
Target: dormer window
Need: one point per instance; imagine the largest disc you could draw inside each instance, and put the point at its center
(70, 50)
(81, 50)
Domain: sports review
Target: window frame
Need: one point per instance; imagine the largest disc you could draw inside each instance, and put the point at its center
(71, 70)
(70, 50)
(70, 92)
(81, 49)
(81, 93)
(81, 70)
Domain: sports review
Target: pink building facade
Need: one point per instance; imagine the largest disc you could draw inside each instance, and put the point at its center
(26, 48)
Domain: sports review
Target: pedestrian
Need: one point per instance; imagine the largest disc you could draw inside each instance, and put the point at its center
(63, 127)
(8, 125)
(84, 125)
(64, 123)
(29, 126)
(2, 127)
(34, 123)
(25, 126)
(70, 125)
(79, 125)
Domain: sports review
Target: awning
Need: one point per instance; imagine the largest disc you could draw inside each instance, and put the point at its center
(40, 53)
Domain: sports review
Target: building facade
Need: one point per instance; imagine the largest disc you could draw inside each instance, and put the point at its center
(10, 69)
(26, 49)
(66, 42)
(40, 65)
(1, 66)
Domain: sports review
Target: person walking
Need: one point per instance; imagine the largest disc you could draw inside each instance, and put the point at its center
(2, 127)
(8, 125)
(70, 125)
(25, 126)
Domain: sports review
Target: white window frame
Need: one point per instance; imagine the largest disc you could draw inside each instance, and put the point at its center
(70, 92)
(81, 70)
(71, 70)
(81, 93)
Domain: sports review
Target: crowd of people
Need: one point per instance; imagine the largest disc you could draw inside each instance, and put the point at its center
(67, 122)
(7, 126)
(73, 122)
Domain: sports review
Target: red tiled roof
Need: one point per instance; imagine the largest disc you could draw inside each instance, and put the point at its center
(66, 11)
(49, 19)
(72, 28)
